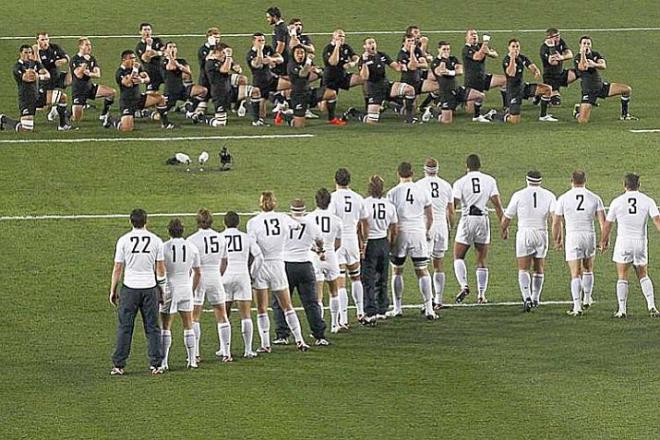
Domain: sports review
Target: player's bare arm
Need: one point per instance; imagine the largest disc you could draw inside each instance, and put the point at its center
(497, 204)
(116, 276)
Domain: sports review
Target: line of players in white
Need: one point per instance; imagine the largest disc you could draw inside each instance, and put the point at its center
(416, 218)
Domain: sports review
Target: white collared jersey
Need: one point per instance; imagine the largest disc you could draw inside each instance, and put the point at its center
(579, 207)
(139, 250)
(347, 205)
(181, 256)
(474, 189)
(300, 241)
(440, 192)
(410, 201)
(239, 248)
(380, 214)
(269, 231)
(330, 226)
(532, 205)
(631, 210)
(212, 248)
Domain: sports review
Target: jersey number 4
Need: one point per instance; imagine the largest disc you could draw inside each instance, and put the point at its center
(136, 242)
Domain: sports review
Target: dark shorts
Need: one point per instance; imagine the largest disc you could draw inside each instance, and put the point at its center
(268, 87)
(28, 107)
(337, 84)
(557, 81)
(156, 79)
(80, 97)
(56, 81)
(221, 102)
(129, 107)
(481, 85)
(591, 96)
(299, 104)
(377, 93)
(450, 100)
(182, 94)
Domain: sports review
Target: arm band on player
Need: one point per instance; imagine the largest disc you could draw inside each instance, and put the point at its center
(451, 73)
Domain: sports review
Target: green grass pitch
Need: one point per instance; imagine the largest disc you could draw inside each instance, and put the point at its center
(479, 372)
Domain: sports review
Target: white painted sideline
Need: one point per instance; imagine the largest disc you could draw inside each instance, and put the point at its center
(154, 139)
(457, 306)
(648, 130)
(107, 216)
(448, 31)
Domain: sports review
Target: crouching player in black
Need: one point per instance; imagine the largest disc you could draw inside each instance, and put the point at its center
(299, 70)
(554, 51)
(85, 67)
(262, 59)
(338, 56)
(589, 63)
(129, 77)
(53, 58)
(177, 78)
(414, 67)
(446, 68)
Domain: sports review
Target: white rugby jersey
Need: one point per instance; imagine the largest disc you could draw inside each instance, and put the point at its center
(440, 192)
(347, 205)
(533, 205)
(269, 231)
(474, 189)
(212, 248)
(180, 257)
(330, 226)
(380, 214)
(410, 202)
(631, 210)
(239, 248)
(139, 250)
(579, 206)
(300, 241)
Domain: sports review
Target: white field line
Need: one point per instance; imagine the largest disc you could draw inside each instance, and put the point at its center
(457, 306)
(649, 130)
(153, 139)
(108, 216)
(448, 31)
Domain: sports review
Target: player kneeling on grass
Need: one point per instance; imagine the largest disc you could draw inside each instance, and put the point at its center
(85, 67)
(27, 74)
(588, 64)
(129, 77)
(631, 210)
(53, 58)
(533, 206)
(181, 259)
(176, 75)
(244, 259)
(299, 70)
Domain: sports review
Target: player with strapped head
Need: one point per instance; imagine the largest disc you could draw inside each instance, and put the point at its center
(338, 57)
(575, 211)
(262, 59)
(442, 204)
(177, 78)
(53, 58)
(269, 230)
(554, 51)
(373, 65)
(415, 215)
(129, 76)
(533, 206)
(379, 227)
(631, 211)
(328, 268)
(244, 259)
(472, 193)
(588, 64)
(347, 205)
(213, 261)
(150, 50)
(514, 64)
(181, 260)
(212, 39)
(84, 68)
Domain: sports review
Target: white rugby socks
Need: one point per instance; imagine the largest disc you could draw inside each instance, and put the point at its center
(343, 306)
(246, 331)
(334, 311)
(537, 286)
(189, 341)
(397, 291)
(587, 286)
(426, 291)
(263, 325)
(294, 324)
(320, 303)
(461, 273)
(622, 294)
(576, 288)
(524, 282)
(482, 281)
(357, 292)
(197, 331)
(224, 334)
(647, 290)
(439, 286)
(165, 344)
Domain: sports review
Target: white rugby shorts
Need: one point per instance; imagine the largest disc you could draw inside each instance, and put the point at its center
(580, 245)
(629, 251)
(238, 287)
(473, 229)
(531, 243)
(271, 275)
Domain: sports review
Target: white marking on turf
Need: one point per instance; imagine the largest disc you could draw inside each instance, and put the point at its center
(450, 31)
(105, 216)
(154, 139)
(648, 130)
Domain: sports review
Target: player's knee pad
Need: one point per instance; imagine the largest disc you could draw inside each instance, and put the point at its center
(420, 262)
(354, 273)
(372, 118)
(342, 272)
(555, 100)
(397, 262)
(400, 90)
(438, 255)
(27, 124)
(235, 79)
(219, 120)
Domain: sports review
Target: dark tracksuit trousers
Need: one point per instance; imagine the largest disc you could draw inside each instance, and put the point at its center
(375, 267)
(301, 277)
(130, 302)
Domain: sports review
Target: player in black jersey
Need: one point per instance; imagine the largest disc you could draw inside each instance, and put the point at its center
(281, 37)
(446, 68)
(338, 57)
(554, 51)
(588, 64)
(373, 65)
(517, 90)
(53, 58)
(212, 39)
(299, 72)
(129, 76)
(414, 66)
(218, 68)
(297, 38)
(149, 49)
(177, 78)
(262, 59)
(474, 65)
(84, 68)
